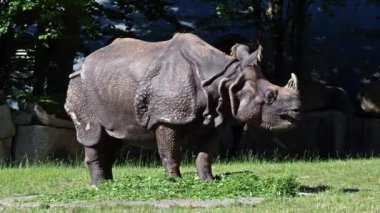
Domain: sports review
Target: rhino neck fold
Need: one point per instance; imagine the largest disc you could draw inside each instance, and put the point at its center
(231, 68)
(216, 92)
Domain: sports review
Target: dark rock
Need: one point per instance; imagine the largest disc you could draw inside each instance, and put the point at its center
(322, 133)
(317, 97)
(39, 143)
(22, 118)
(5, 148)
(371, 136)
(7, 128)
(370, 98)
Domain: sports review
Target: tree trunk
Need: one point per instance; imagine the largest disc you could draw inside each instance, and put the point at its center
(300, 25)
(7, 49)
(40, 68)
(64, 51)
(257, 12)
(278, 31)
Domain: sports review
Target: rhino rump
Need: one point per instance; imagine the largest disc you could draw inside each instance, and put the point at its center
(87, 127)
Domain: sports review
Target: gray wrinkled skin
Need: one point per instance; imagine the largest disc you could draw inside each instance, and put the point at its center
(158, 94)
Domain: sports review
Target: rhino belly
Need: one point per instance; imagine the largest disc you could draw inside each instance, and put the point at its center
(131, 131)
(135, 135)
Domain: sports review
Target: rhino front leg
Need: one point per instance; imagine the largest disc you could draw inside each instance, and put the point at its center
(100, 159)
(94, 164)
(206, 149)
(168, 143)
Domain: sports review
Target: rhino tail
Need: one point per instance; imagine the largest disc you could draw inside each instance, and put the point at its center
(75, 74)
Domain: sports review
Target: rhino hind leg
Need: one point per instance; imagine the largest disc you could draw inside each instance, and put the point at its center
(206, 149)
(168, 143)
(101, 157)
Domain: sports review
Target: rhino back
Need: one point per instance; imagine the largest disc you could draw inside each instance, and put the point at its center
(125, 56)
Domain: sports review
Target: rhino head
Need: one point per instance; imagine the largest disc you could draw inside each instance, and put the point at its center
(255, 100)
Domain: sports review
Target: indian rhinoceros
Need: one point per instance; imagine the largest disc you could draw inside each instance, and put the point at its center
(154, 94)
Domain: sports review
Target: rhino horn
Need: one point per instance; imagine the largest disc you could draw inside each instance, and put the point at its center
(293, 82)
(259, 53)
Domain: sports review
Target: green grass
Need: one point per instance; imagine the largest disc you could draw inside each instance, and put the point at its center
(351, 185)
(159, 187)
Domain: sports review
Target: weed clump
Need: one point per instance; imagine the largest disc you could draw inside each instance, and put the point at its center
(158, 187)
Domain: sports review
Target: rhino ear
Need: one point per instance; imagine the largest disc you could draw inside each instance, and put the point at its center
(240, 51)
(253, 58)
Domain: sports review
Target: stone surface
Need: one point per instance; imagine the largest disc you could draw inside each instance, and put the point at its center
(7, 128)
(5, 148)
(22, 118)
(370, 98)
(23, 202)
(258, 139)
(316, 97)
(371, 136)
(354, 136)
(322, 133)
(33, 112)
(39, 143)
(50, 119)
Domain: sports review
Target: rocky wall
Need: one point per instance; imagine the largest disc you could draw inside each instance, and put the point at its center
(325, 133)
(34, 135)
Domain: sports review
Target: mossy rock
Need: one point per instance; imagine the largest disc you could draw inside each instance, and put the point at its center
(2, 97)
(52, 104)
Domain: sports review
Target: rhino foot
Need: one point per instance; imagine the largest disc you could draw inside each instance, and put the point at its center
(100, 159)
(203, 163)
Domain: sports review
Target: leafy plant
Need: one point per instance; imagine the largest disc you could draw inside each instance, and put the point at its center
(158, 187)
(48, 16)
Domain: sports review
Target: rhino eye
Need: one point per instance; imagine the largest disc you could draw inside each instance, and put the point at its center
(270, 96)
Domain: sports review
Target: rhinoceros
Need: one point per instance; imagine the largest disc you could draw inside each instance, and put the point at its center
(155, 94)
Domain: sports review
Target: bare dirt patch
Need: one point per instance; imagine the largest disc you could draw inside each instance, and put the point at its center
(27, 202)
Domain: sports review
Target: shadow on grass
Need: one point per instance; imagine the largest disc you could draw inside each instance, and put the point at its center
(219, 176)
(350, 190)
(314, 189)
(237, 172)
(322, 188)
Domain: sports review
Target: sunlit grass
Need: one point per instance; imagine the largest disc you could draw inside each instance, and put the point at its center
(350, 185)
(158, 187)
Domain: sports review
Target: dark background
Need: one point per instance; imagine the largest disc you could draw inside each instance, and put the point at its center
(325, 42)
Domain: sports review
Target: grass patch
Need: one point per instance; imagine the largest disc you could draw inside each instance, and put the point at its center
(158, 187)
(349, 185)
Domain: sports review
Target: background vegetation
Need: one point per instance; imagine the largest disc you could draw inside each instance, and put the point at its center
(42, 41)
(53, 32)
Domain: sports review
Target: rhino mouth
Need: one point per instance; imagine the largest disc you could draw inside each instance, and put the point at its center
(284, 121)
(291, 118)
